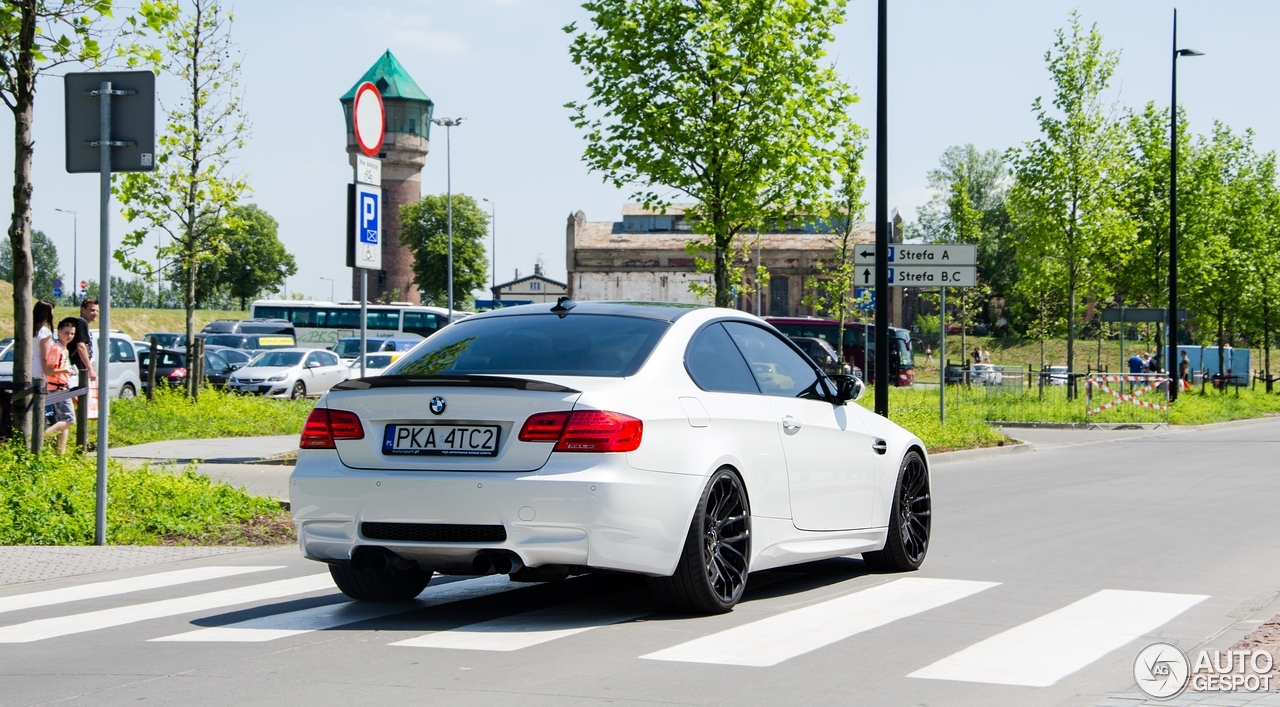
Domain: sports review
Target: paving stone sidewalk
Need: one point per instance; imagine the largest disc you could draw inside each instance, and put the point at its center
(1197, 699)
(32, 563)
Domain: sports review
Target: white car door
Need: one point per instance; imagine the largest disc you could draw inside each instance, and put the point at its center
(830, 459)
(334, 371)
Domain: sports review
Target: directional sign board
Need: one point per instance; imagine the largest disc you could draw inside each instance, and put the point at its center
(934, 265)
(368, 227)
(906, 254)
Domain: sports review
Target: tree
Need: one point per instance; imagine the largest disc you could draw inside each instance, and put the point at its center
(834, 285)
(1064, 199)
(37, 36)
(192, 188)
(727, 102)
(44, 258)
(424, 229)
(255, 261)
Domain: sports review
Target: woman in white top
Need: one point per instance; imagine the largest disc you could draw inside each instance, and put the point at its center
(41, 338)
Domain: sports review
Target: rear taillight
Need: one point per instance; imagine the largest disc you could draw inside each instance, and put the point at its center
(584, 431)
(325, 426)
(178, 373)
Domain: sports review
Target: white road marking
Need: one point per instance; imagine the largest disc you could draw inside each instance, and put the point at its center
(512, 633)
(777, 638)
(42, 629)
(95, 590)
(320, 618)
(1046, 649)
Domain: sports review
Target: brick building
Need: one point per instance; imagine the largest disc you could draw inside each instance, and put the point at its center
(403, 155)
(643, 258)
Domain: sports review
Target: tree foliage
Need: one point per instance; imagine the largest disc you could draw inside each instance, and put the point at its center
(728, 102)
(424, 229)
(194, 186)
(255, 261)
(44, 258)
(833, 288)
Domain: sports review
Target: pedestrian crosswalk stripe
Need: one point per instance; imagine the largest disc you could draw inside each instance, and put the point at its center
(511, 633)
(96, 590)
(783, 636)
(293, 623)
(42, 629)
(1046, 649)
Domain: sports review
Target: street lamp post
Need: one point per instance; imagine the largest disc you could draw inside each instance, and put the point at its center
(493, 249)
(1172, 329)
(330, 286)
(75, 254)
(448, 124)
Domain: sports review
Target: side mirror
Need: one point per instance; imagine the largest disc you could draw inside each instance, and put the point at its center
(313, 364)
(848, 388)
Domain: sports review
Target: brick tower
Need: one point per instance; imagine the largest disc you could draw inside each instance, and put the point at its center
(404, 153)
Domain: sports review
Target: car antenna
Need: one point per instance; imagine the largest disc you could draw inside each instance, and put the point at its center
(563, 305)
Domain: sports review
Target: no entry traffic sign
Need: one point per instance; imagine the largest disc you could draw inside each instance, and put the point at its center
(368, 119)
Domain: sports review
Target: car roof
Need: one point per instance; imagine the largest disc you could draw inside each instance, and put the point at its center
(661, 311)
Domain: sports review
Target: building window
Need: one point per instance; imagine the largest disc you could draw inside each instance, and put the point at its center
(534, 286)
(779, 297)
(382, 278)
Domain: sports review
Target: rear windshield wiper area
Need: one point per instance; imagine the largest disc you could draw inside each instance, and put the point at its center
(454, 381)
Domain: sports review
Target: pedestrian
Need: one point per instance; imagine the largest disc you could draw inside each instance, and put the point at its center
(928, 354)
(1184, 372)
(976, 355)
(986, 356)
(81, 348)
(41, 340)
(1136, 364)
(57, 370)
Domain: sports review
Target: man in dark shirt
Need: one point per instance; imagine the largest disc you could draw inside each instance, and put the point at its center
(82, 345)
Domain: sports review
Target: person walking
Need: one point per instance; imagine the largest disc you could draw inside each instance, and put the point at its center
(928, 354)
(1184, 372)
(81, 348)
(57, 372)
(41, 340)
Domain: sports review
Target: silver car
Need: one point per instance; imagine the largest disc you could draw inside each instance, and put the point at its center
(290, 373)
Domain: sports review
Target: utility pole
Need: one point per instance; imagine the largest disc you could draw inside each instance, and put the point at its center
(882, 216)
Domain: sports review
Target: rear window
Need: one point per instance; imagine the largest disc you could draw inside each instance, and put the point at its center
(234, 341)
(537, 344)
(277, 359)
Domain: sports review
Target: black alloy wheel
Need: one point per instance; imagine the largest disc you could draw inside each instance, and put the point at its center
(909, 520)
(712, 572)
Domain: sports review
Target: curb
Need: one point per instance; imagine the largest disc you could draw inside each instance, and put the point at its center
(963, 454)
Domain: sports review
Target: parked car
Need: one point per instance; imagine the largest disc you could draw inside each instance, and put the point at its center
(124, 376)
(166, 339)
(250, 326)
(290, 373)
(400, 345)
(822, 354)
(172, 367)
(238, 358)
(714, 446)
(374, 363)
(1057, 375)
(349, 346)
(985, 374)
(252, 342)
(6, 361)
(954, 374)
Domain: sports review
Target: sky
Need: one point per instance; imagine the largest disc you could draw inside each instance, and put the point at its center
(958, 73)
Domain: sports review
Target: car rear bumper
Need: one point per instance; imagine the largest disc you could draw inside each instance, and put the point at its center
(591, 510)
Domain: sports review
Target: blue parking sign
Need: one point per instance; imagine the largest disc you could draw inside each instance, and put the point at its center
(368, 226)
(368, 210)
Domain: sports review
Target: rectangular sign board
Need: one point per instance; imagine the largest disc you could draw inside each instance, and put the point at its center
(368, 171)
(368, 227)
(935, 254)
(920, 276)
(133, 120)
(1140, 314)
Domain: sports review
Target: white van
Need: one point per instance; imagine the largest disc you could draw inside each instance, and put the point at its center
(124, 380)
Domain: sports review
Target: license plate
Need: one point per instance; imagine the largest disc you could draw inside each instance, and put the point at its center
(441, 440)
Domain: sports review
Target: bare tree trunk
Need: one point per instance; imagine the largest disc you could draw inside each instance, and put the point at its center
(724, 297)
(1222, 368)
(20, 221)
(1266, 338)
(1071, 334)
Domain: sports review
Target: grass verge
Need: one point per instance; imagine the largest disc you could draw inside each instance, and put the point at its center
(173, 415)
(49, 500)
(917, 411)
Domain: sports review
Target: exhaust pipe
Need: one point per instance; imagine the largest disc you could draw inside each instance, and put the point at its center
(374, 559)
(497, 562)
(482, 564)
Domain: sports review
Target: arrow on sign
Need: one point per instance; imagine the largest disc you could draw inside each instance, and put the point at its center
(866, 276)
(868, 253)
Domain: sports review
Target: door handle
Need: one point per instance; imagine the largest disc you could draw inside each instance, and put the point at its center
(790, 423)
(880, 446)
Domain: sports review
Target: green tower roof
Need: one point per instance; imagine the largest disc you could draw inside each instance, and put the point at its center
(388, 74)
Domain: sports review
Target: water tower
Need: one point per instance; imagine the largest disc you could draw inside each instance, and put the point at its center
(404, 153)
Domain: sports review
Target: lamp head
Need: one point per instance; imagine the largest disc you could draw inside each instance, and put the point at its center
(1189, 52)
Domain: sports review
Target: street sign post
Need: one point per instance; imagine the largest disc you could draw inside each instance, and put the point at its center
(57, 288)
(110, 127)
(369, 123)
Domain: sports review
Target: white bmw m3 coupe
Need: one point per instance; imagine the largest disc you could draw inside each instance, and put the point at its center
(691, 445)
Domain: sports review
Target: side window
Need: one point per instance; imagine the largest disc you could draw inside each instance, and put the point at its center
(777, 368)
(314, 357)
(715, 365)
(327, 359)
(217, 364)
(127, 352)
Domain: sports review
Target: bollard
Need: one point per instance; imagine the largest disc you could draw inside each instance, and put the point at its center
(193, 368)
(82, 413)
(37, 418)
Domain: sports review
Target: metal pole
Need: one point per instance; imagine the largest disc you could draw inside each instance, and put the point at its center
(104, 304)
(942, 359)
(1173, 198)
(448, 162)
(882, 217)
(760, 289)
(364, 314)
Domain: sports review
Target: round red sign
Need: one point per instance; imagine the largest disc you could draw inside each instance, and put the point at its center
(369, 119)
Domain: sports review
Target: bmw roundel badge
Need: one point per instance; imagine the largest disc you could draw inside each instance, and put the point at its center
(437, 405)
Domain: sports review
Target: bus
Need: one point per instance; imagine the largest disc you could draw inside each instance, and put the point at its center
(856, 337)
(319, 325)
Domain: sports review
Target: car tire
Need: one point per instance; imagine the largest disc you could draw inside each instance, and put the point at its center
(712, 572)
(299, 391)
(909, 520)
(127, 392)
(379, 585)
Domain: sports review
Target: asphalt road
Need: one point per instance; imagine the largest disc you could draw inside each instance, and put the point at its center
(1048, 571)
